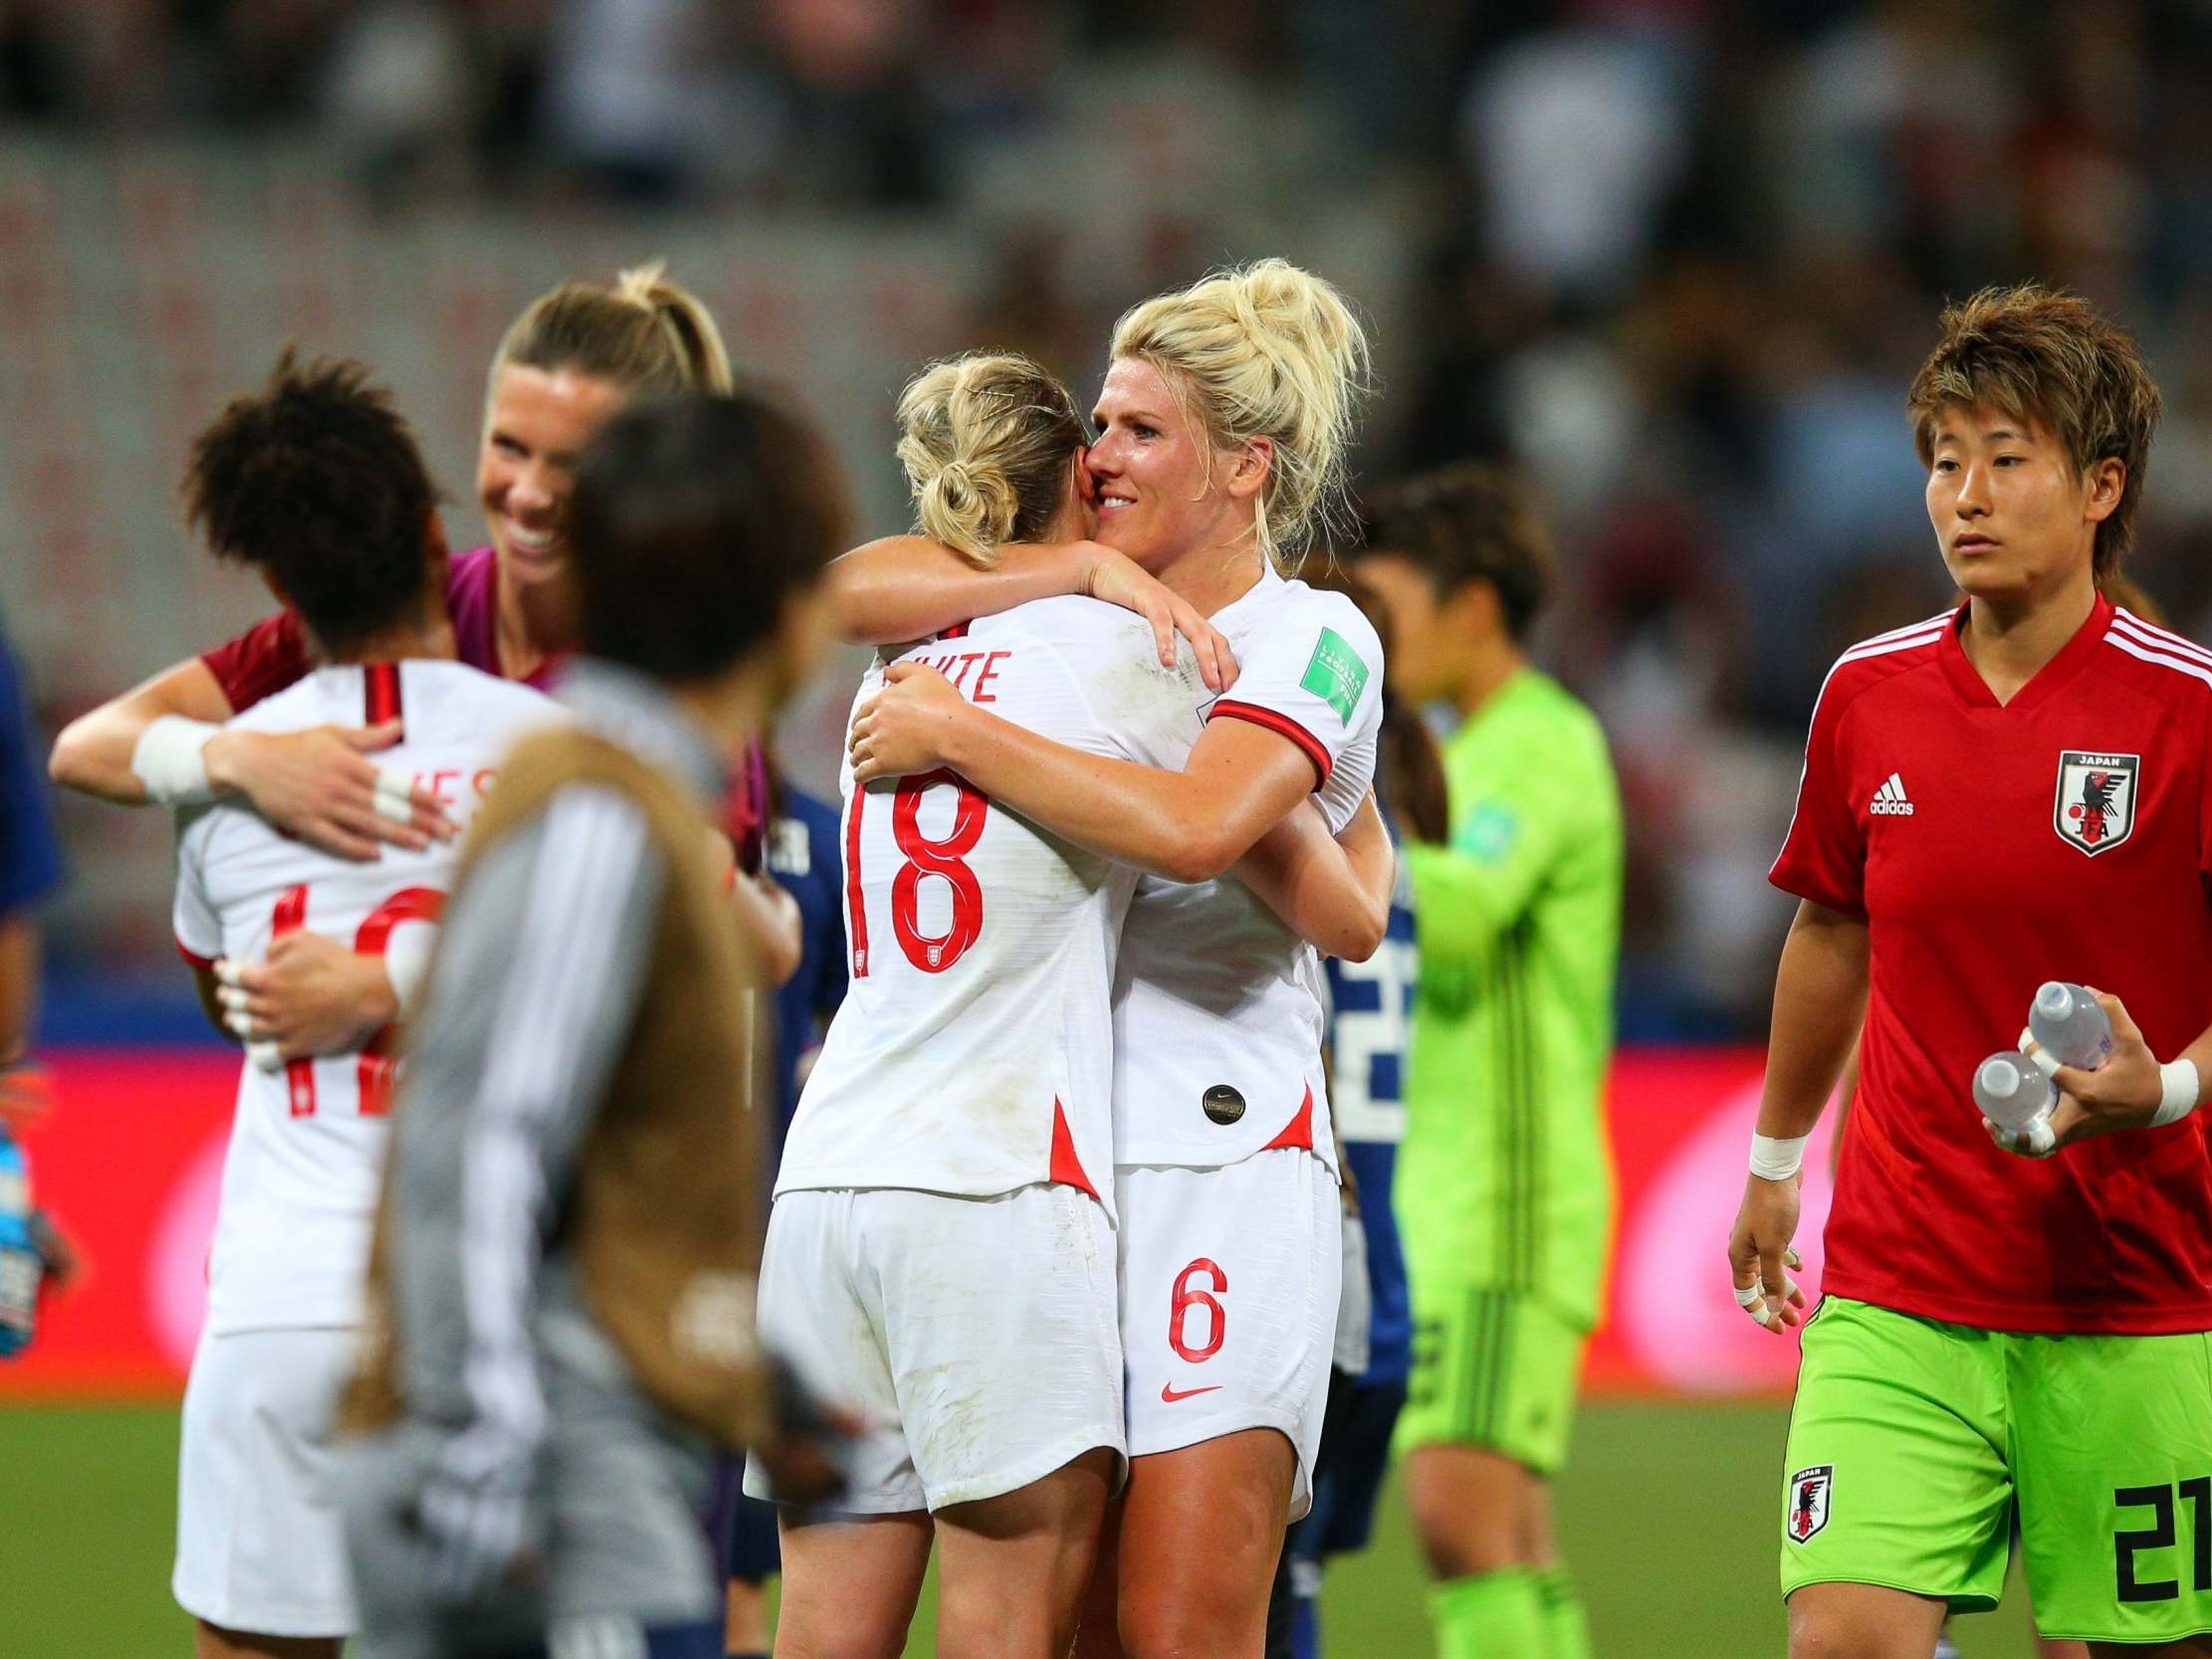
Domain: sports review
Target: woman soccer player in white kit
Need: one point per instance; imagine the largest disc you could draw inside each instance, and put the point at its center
(939, 1253)
(1226, 413)
(316, 484)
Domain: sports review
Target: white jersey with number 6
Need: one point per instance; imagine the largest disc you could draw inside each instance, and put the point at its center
(308, 1146)
(972, 1054)
(1217, 1003)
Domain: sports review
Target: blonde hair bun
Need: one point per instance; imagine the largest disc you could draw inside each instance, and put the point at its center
(985, 440)
(1266, 351)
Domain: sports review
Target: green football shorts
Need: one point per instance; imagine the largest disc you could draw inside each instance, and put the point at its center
(1493, 1368)
(1915, 1445)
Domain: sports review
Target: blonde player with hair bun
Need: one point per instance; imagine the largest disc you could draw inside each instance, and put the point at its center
(1225, 418)
(943, 1234)
(983, 436)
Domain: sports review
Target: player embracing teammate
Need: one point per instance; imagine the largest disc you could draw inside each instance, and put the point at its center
(1225, 416)
(941, 1252)
(2004, 1342)
(314, 483)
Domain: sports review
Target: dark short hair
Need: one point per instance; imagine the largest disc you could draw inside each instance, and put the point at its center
(2037, 353)
(694, 518)
(1470, 521)
(316, 480)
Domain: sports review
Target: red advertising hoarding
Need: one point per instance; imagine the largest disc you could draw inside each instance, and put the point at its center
(131, 1160)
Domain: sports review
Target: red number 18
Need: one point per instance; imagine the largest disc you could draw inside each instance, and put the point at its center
(945, 857)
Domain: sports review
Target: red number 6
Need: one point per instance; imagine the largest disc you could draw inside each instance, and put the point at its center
(1184, 1298)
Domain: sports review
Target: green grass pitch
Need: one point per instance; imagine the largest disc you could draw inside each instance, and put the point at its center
(1667, 1514)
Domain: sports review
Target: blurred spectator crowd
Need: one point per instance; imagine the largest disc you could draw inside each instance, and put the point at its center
(1677, 257)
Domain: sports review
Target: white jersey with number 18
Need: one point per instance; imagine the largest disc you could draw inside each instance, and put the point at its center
(973, 1055)
(307, 1148)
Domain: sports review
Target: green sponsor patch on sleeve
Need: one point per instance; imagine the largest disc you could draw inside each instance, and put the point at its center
(1335, 674)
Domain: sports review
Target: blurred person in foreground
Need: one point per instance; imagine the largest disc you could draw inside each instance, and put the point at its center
(563, 1288)
(30, 862)
(314, 483)
(33, 1251)
(2015, 790)
(1370, 1007)
(1505, 1180)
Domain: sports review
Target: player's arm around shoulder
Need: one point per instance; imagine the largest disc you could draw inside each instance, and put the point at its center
(1186, 824)
(94, 753)
(902, 587)
(172, 742)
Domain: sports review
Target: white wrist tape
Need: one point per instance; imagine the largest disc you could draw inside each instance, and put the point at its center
(1777, 1157)
(2178, 1086)
(170, 763)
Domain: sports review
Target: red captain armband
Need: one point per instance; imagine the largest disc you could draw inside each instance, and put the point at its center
(1282, 725)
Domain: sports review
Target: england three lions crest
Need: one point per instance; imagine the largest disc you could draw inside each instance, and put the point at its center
(2096, 807)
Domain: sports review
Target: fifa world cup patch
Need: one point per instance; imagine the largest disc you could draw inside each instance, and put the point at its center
(1335, 674)
(2096, 806)
(1809, 1493)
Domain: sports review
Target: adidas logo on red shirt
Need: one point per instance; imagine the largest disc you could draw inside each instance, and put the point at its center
(1890, 802)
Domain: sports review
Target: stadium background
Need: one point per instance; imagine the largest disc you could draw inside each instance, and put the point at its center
(1678, 257)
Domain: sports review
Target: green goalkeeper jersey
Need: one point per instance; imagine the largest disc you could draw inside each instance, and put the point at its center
(1504, 1178)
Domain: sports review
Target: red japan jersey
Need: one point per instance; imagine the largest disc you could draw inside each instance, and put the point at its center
(2065, 835)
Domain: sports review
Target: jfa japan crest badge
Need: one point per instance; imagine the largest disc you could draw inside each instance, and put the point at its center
(2096, 806)
(1808, 1490)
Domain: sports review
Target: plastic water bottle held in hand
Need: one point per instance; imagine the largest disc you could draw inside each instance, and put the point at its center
(21, 1265)
(2012, 1093)
(2067, 1025)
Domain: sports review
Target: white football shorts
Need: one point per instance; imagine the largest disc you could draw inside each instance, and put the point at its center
(974, 1337)
(259, 1543)
(1229, 1299)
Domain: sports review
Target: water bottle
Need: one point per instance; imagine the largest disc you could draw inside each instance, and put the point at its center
(2067, 1024)
(21, 1265)
(2012, 1093)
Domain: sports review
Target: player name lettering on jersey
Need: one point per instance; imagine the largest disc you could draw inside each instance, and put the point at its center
(459, 791)
(958, 667)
